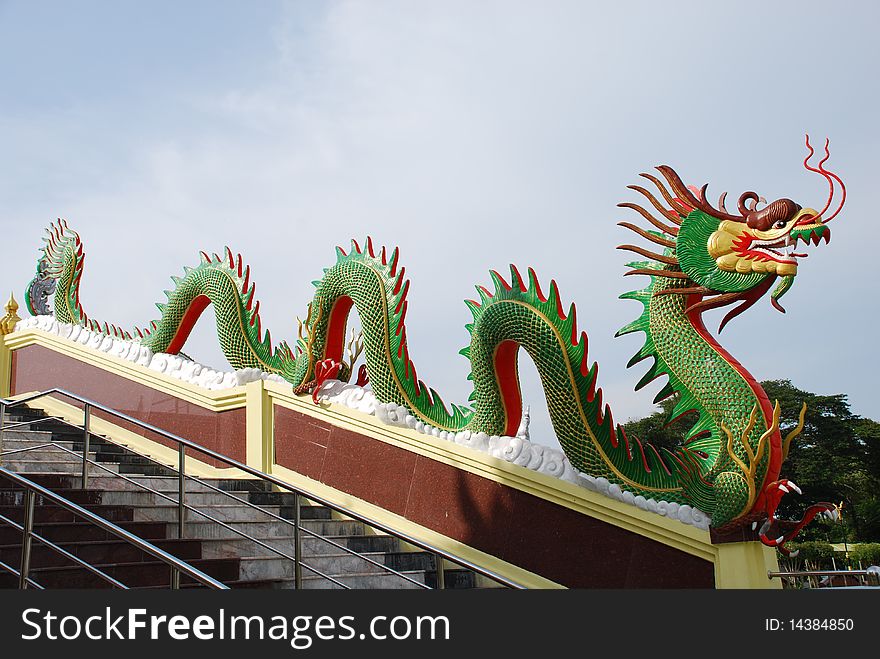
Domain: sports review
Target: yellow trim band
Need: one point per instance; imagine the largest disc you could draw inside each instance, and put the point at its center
(217, 401)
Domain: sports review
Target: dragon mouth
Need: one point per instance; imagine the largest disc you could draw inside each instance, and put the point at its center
(782, 249)
(772, 249)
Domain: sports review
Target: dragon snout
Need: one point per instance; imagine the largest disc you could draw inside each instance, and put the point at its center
(810, 228)
(808, 217)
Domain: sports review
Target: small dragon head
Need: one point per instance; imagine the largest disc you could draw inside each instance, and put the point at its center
(39, 291)
(61, 242)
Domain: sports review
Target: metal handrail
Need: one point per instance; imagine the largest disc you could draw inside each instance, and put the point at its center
(296, 526)
(183, 444)
(202, 513)
(875, 572)
(12, 570)
(27, 423)
(76, 559)
(178, 566)
(30, 448)
(269, 513)
(864, 578)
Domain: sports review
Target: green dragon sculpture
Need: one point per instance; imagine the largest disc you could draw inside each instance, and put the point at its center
(728, 465)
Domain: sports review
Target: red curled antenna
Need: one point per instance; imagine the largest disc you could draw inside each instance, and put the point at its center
(831, 177)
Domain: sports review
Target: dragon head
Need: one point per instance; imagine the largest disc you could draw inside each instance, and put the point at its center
(765, 242)
(736, 256)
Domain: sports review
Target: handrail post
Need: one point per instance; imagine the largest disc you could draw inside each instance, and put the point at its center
(86, 441)
(175, 578)
(297, 541)
(2, 425)
(441, 572)
(27, 534)
(181, 490)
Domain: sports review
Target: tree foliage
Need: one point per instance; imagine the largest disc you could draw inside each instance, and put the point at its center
(865, 554)
(813, 553)
(836, 458)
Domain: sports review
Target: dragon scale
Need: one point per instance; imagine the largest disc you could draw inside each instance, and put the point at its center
(729, 458)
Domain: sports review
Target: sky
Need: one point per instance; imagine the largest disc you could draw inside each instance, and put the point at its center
(470, 134)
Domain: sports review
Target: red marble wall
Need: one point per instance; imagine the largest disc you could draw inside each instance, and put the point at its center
(556, 542)
(36, 368)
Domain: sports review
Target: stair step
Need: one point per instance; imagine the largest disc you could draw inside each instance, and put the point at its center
(156, 508)
(159, 483)
(51, 513)
(18, 443)
(75, 531)
(35, 465)
(360, 580)
(343, 563)
(98, 551)
(265, 529)
(195, 499)
(358, 543)
(133, 575)
(23, 434)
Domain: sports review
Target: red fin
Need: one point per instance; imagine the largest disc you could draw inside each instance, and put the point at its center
(516, 277)
(501, 279)
(574, 325)
(585, 341)
(399, 282)
(402, 318)
(554, 292)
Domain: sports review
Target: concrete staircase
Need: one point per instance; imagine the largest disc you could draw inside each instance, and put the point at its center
(220, 552)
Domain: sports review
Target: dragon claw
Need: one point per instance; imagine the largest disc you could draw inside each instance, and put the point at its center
(785, 529)
(327, 369)
(363, 376)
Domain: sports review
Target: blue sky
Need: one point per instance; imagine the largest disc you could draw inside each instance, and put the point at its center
(471, 134)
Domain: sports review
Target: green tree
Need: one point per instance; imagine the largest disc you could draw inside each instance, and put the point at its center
(656, 428)
(836, 458)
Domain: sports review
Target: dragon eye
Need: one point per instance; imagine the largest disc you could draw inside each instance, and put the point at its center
(780, 224)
